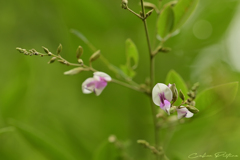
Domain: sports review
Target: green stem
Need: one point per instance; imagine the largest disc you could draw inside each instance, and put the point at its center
(127, 85)
(135, 13)
(152, 77)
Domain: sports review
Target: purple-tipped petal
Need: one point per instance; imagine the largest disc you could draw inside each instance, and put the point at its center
(166, 106)
(102, 75)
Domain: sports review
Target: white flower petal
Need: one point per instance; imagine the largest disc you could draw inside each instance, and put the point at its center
(184, 112)
(189, 114)
(103, 75)
(98, 91)
(161, 88)
(87, 89)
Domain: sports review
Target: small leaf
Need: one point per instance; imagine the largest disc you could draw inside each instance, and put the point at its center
(132, 54)
(182, 11)
(165, 21)
(219, 96)
(174, 77)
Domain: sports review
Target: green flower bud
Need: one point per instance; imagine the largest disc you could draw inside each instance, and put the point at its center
(173, 109)
(175, 92)
(95, 56)
(52, 60)
(79, 52)
(74, 71)
(59, 49)
(181, 95)
(45, 49)
(192, 109)
(80, 61)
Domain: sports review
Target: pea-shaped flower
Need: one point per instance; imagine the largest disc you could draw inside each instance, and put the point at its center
(184, 112)
(162, 96)
(96, 84)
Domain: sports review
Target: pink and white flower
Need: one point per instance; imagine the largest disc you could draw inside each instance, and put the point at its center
(162, 96)
(184, 112)
(96, 84)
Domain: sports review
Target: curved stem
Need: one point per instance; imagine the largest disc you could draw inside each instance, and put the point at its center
(151, 78)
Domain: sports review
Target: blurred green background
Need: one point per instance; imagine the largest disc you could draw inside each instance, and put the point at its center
(40, 99)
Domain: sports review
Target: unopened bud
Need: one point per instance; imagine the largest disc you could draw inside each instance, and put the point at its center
(52, 60)
(80, 61)
(59, 49)
(175, 92)
(95, 56)
(112, 138)
(20, 50)
(124, 4)
(74, 71)
(192, 109)
(181, 95)
(173, 109)
(193, 103)
(149, 13)
(63, 62)
(79, 52)
(195, 86)
(45, 49)
(165, 49)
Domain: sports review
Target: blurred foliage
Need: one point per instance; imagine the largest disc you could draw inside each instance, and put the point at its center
(54, 120)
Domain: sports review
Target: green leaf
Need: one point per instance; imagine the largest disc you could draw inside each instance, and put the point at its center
(174, 77)
(105, 151)
(182, 11)
(42, 143)
(132, 54)
(218, 96)
(165, 21)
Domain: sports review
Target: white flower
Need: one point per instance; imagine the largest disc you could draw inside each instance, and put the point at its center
(162, 96)
(96, 84)
(184, 112)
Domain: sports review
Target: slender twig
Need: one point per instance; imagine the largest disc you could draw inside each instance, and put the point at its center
(127, 85)
(151, 78)
(134, 13)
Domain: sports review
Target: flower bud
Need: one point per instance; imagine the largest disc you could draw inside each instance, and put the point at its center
(112, 138)
(59, 49)
(20, 50)
(192, 109)
(181, 95)
(173, 109)
(52, 60)
(79, 52)
(124, 4)
(95, 56)
(74, 71)
(174, 91)
(80, 61)
(45, 49)
(149, 13)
